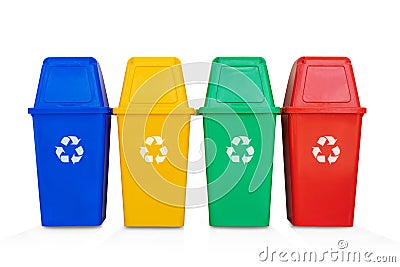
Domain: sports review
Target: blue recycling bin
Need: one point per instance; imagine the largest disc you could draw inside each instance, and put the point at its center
(71, 123)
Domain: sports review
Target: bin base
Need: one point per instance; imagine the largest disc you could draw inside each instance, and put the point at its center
(150, 224)
(161, 215)
(153, 226)
(238, 226)
(95, 223)
(321, 223)
(221, 215)
(141, 210)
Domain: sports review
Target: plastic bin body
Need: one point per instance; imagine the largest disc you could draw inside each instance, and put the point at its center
(71, 122)
(321, 127)
(153, 114)
(239, 130)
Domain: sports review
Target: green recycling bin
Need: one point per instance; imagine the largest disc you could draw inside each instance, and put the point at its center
(239, 131)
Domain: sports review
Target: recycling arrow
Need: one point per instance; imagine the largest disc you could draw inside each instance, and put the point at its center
(246, 159)
(64, 159)
(143, 151)
(335, 151)
(149, 141)
(162, 152)
(75, 159)
(316, 151)
(321, 141)
(249, 151)
(236, 141)
(245, 140)
(65, 141)
(235, 158)
(229, 151)
(70, 140)
(321, 159)
(75, 140)
(332, 159)
(148, 158)
(331, 140)
(79, 150)
(159, 158)
(59, 151)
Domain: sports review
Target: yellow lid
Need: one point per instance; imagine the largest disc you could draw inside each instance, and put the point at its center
(153, 85)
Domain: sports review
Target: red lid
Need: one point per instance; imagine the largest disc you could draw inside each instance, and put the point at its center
(322, 85)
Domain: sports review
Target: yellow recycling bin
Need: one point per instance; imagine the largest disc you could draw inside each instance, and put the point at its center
(153, 130)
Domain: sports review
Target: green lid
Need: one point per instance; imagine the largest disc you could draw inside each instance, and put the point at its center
(239, 84)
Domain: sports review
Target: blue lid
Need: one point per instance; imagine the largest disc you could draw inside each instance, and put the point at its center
(70, 85)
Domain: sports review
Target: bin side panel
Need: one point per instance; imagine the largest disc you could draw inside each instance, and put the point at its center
(154, 192)
(106, 162)
(239, 192)
(287, 168)
(323, 153)
(72, 179)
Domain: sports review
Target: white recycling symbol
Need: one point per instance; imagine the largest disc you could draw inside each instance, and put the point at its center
(335, 151)
(161, 155)
(78, 152)
(245, 141)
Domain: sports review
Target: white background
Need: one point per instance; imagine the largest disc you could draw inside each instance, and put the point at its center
(112, 32)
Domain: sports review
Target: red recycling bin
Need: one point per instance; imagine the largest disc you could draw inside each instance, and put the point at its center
(321, 129)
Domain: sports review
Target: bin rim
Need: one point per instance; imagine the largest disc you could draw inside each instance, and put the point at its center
(249, 110)
(70, 110)
(326, 110)
(153, 110)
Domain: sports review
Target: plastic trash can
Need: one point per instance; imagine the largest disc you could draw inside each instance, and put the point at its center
(239, 131)
(321, 127)
(71, 122)
(153, 127)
